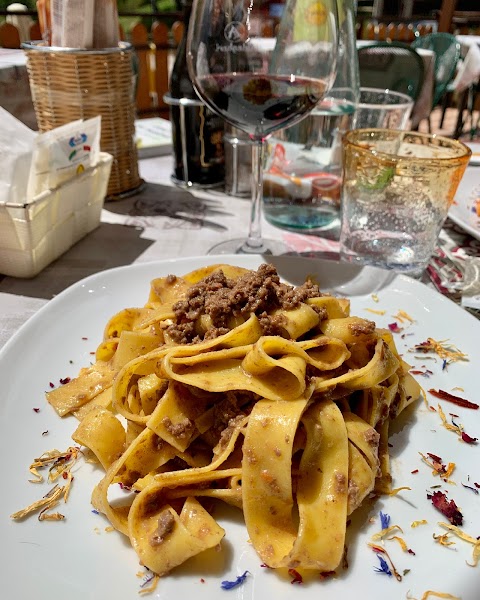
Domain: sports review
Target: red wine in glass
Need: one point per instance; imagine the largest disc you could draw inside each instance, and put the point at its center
(261, 76)
(261, 104)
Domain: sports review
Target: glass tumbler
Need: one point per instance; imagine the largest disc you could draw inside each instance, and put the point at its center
(397, 189)
(303, 169)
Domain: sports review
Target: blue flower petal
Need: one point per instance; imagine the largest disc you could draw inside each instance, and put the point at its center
(228, 585)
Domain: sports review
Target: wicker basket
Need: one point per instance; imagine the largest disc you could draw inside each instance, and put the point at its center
(69, 84)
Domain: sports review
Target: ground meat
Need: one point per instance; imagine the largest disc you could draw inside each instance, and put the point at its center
(215, 332)
(178, 430)
(365, 328)
(353, 494)
(321, 311)
(227, 433)
(272, 324)
(170, 279)
(372, 437)
(221, 298)
(166, 523)
(394, 407)
(340, 483)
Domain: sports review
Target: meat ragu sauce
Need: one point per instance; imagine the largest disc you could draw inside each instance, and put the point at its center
(226, 301)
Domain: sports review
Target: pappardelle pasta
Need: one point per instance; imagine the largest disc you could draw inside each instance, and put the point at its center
(229, 385)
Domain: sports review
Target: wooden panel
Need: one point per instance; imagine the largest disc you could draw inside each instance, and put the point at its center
(160, 40)
(35, 32)
(9, 36)
(177, 32)
(139, 39)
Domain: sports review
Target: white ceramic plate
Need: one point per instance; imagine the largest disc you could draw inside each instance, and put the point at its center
(463, 212)
(77, 559)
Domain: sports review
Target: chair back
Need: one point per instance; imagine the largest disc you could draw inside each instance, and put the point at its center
(447, 54)
(391, 65)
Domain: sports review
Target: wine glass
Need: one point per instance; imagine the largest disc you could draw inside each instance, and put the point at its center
(259, 80)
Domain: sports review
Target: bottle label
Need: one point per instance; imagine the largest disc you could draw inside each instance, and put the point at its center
(210, 133)
(198, 144)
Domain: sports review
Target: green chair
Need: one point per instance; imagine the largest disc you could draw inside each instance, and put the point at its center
(391, 65)
(447, 54)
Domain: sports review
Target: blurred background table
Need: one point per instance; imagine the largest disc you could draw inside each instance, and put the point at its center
(423, 104)
(15, 95)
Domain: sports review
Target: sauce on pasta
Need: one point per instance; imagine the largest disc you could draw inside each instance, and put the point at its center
(229, 385)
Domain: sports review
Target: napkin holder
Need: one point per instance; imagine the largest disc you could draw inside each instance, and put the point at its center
(70, 83)
(33, 235)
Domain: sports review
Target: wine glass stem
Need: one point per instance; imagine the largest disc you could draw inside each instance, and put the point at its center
(254, 241)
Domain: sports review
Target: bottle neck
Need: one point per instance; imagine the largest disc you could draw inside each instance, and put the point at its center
(187, 13)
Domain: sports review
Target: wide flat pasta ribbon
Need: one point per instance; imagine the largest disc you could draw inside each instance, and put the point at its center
(317, 540)
(273, 368)
(164, 539)
(77, 392)
(381, 366)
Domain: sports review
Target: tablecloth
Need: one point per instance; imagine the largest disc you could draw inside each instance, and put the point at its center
(15, 94)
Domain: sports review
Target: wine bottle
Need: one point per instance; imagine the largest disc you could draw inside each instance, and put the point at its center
(197, 132)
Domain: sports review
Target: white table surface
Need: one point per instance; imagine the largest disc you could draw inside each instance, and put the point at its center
(15, 94)
(12, 57)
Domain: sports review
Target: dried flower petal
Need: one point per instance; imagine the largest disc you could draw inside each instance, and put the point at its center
(228, 585)
(417, 523)
(296, 577)
(384, 568)
(443, 395)
(446, 507)
(468, 439)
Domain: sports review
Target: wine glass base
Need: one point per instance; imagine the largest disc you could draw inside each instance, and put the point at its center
(242, 246)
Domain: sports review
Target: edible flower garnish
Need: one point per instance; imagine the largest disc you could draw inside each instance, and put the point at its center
(455, 428)
(446, 507)
(376, 312)
(386, 531)
(395, 491)
(60, 464)
(468, 439)
(467, 538)
(418, 523)
(442, 348)
(295, 575)
(443, 395)
(438, 468)
(384, 520)
(383, 552)
(469, 487)
(403, 316)
(403, 544)
(430, 593)
(384, 568)
(443, 540)
(151, 580)
(228, 585)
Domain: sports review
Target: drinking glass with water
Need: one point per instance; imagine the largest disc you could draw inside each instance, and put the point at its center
(397, 189)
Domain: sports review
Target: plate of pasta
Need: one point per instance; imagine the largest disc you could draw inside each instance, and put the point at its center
(245, 428)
